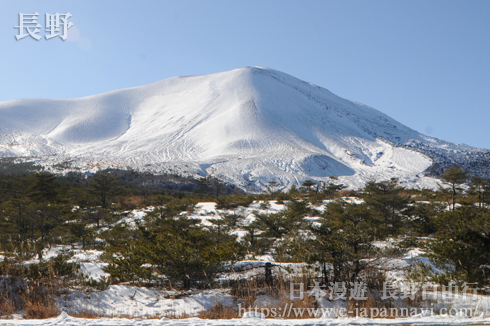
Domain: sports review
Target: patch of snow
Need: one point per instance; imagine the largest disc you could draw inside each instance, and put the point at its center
(139, 302)
(94, 271)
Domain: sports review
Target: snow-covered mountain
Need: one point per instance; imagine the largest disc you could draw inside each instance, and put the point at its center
(246, 126)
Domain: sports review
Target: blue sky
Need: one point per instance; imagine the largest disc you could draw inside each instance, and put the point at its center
(424, 63)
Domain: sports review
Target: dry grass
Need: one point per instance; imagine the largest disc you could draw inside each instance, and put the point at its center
(36, 300)
(131, 202)
(90, 314)
(6, 308)
(248, 292)
(40, 310)
(33, 299)
(219, 311)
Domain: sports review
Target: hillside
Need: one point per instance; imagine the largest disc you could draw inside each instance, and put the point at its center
(246, 126)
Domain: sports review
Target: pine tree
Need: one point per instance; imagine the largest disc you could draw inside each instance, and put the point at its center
(203, 183)
(332, 189)
(103, 186)
(352, 228)
(455, 177)
(44, 187)
(322, 248)
(272, 187)
(462, 244)
(309, 186)
(481, 187)
(387, 199)
(177, 248)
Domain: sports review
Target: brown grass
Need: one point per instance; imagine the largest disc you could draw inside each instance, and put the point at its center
(37, 300)
(89, 314)
(219, 311)
(6, 308)
(247, 292)
(131, 202)
(40, 310)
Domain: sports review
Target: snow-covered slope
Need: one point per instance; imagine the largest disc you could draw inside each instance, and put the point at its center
(247, 126)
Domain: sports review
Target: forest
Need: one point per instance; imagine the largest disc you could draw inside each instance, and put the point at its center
(327, 226)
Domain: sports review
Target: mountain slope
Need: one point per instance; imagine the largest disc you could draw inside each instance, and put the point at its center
(246, 126)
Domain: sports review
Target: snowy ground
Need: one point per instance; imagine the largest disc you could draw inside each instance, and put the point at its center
(143, 304)
(139, 302)
(65, 319)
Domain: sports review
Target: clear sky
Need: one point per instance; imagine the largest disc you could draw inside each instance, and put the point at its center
(424, 63)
